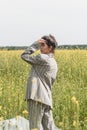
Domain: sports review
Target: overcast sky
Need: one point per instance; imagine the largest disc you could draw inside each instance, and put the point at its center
(25, 21)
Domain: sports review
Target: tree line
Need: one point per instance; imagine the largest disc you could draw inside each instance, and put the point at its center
(84, 47)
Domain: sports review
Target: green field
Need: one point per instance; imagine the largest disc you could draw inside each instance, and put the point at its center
(69, 90)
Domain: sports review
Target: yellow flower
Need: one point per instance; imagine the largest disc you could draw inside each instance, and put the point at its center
(77, 102)
(25, 112)
(73, 99)
(18, 116)
(74, 123)
(61, 123)
(0, 107)
(1, 118)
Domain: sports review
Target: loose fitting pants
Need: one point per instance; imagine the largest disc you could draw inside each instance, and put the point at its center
(40, 114)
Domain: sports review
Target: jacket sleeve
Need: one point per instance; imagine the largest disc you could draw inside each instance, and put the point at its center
(40, 59)
(32, 48)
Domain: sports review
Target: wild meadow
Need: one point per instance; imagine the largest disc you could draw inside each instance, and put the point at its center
(69, 90)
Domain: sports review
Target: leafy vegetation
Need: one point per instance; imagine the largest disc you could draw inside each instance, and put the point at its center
(82, 47)
(69, 90)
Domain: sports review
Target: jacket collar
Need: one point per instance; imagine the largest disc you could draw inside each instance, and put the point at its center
(50, 54)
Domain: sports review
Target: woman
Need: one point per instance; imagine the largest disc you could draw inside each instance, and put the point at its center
(42, 76)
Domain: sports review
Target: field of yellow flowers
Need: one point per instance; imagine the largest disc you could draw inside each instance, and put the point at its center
(69, 90)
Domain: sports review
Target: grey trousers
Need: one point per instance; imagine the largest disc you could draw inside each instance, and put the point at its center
(40, 114)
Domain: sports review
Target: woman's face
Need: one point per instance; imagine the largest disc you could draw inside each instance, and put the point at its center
(44, 48)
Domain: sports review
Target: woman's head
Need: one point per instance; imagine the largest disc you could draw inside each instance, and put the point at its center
(50, 41)
(48, 44)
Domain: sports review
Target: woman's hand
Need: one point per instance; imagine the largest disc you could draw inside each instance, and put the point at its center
(41, 41)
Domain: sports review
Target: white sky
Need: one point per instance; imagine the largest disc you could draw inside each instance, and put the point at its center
(25, 21)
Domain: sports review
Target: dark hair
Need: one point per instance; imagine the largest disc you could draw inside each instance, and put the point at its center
(50, 40)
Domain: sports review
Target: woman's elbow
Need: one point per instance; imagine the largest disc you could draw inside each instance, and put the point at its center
(22, 56)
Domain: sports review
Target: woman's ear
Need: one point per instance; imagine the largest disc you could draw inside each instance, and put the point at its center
(51, 48)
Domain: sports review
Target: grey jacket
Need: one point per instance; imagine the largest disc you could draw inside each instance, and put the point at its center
(42, 75)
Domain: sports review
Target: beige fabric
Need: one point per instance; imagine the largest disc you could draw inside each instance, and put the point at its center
(42, 75)
(40, 114)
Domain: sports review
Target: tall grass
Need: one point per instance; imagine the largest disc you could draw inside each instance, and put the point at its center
(69, 90)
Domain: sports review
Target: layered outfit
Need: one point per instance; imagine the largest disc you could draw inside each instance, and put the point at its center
(39, 87)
